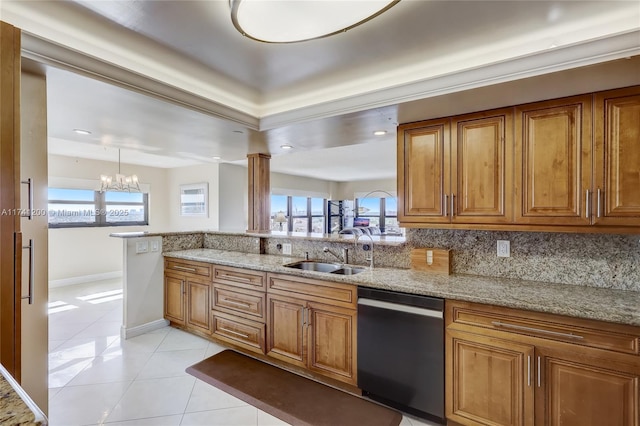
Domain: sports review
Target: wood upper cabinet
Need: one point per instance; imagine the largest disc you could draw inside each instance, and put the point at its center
(457, 170)
(585, 392)
(482, 167)
(488, 381)
(423, 171)
(553, 159)
(617, 161)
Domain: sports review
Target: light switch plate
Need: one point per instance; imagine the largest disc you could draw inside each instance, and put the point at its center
(142, 247)
(286, 248)
(155, 246)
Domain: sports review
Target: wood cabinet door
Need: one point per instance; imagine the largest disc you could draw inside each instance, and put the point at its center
(488, 381)
(553, 159)
(286, 329)
(199, 305)
(617, 161)
(585, 392)
(332, 344)
(482, 167)
(174, 299)
(423, 171)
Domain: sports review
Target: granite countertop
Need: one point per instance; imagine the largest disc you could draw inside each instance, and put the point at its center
(16, 408)
(617, 306)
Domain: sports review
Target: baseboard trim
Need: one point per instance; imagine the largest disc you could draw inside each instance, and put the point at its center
(128, 332)
(85, 279)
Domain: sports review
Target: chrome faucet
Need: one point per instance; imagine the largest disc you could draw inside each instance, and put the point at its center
(357, 233)
(343, 259)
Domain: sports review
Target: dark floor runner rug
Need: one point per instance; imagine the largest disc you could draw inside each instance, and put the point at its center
(287, 396)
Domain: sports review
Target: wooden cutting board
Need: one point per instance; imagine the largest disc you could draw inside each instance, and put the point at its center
(431, 260)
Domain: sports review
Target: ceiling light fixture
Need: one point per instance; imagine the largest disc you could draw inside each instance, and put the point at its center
(216, 157)
(121, 183)
(286, 146)
(82, 132)
(380, 132)
(292, 21)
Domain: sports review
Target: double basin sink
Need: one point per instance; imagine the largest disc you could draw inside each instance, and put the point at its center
(326, 267)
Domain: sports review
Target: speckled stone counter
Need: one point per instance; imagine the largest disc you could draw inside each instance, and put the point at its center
(617, 306)
(16, 408)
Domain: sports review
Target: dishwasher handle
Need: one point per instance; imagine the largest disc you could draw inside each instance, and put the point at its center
(401, 308)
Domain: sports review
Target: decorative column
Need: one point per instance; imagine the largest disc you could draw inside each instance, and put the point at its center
(259, 192)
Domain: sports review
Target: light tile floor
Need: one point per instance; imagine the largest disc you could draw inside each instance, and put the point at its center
(95, 378)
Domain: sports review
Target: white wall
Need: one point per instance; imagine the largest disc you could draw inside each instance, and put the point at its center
(283, 184)
(233, 204)
(187, 175)
(350, 190)
(78, 252)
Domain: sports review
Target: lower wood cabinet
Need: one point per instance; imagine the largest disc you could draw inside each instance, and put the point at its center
(510, 367)
(306, 323)
(318, 331)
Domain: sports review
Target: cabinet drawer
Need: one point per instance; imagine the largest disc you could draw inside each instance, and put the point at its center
(336, 294)
(238, 331)
(239, 302)
(597, 334)
(243, 278)
(188, 266)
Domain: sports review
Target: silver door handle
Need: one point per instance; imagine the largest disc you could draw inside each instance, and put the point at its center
(246, 336)
(529, 370)
(184, 268)
(32, 271)
(453, 204)
(587, 205)
(29, 214)
(599, 194)
(539, 372)
(235, 302)
(446, 205)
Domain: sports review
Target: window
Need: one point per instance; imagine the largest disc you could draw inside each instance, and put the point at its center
(194, 199)
(381, 212)
(297, 214)
(70, 208)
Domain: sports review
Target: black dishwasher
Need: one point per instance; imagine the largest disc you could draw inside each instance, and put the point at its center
(401, 351)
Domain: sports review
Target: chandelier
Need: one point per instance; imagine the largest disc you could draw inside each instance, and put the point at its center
(289, 21)
(121, 182)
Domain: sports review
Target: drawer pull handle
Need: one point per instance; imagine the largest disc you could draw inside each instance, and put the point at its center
(539, 374)
(246, 336)
(536, 330)
(184, 268)
(235, 302)
(236, 277)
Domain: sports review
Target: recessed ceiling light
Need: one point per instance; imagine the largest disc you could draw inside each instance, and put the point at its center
(82, 132)
(286, 146)
(216, 157)
(380, 132)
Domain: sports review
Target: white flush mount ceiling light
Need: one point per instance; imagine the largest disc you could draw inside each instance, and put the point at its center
(289, 21)
(121, 182)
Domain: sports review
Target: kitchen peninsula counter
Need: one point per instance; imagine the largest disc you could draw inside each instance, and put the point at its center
(618, 306)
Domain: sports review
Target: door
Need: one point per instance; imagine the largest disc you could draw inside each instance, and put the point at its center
(617, 161)
(199, 305)
(332, 341)
(423, 171)
(482, 167)
(553, 156)
(286, 338)
(577, 391)
(174, 298)
(489, 381)
(10, 237)
(35, 274)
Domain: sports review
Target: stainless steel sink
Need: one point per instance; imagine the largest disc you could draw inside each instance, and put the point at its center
(327, 267)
